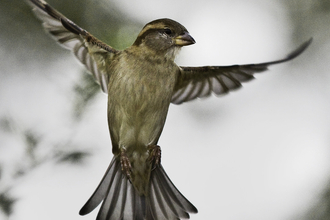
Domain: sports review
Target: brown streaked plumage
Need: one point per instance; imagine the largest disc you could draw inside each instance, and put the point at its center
(142, 81)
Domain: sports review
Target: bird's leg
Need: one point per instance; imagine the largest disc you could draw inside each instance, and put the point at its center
(125, 164)
(154, 155)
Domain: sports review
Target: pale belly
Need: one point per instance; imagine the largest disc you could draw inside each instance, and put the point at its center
(139, 129)
(137, 111)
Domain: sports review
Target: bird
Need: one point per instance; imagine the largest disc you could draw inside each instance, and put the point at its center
(141, 82)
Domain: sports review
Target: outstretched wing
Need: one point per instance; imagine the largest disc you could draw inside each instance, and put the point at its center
(92, 52)
(198, 82)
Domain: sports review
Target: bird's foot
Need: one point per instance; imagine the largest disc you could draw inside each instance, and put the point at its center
(126, 166)
(154, 155)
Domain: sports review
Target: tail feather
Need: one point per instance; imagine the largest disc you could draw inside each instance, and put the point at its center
(101, 190)
(169, 189)
(121, 201)
(167, 198)
(111, 206)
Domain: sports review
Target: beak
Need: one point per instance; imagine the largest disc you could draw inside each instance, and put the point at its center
(184, 39)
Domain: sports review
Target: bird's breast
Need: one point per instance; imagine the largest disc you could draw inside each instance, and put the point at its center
(138, 102)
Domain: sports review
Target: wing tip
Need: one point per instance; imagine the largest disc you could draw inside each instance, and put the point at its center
(300, 49)
(294, 53)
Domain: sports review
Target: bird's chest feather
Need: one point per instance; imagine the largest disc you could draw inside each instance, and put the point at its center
(141, 86)
(139, 97)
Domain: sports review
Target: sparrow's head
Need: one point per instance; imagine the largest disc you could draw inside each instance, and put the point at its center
(164, 35)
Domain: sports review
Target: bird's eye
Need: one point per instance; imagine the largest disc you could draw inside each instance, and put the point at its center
(168, 31)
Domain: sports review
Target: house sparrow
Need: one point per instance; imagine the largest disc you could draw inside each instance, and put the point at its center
(142, 81)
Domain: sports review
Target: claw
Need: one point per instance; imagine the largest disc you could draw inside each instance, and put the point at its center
(125, 164)
(154, 155)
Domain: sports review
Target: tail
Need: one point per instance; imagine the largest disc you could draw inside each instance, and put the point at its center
(122, 201)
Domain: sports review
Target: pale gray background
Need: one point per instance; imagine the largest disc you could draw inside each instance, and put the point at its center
(258, 153)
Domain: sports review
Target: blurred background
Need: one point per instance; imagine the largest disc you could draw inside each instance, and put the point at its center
(258, 153)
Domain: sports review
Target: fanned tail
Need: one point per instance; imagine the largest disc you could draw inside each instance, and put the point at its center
(121, 201)
(165, 201)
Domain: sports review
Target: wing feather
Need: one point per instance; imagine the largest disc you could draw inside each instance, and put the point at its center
(90, 51)
(198, 82)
